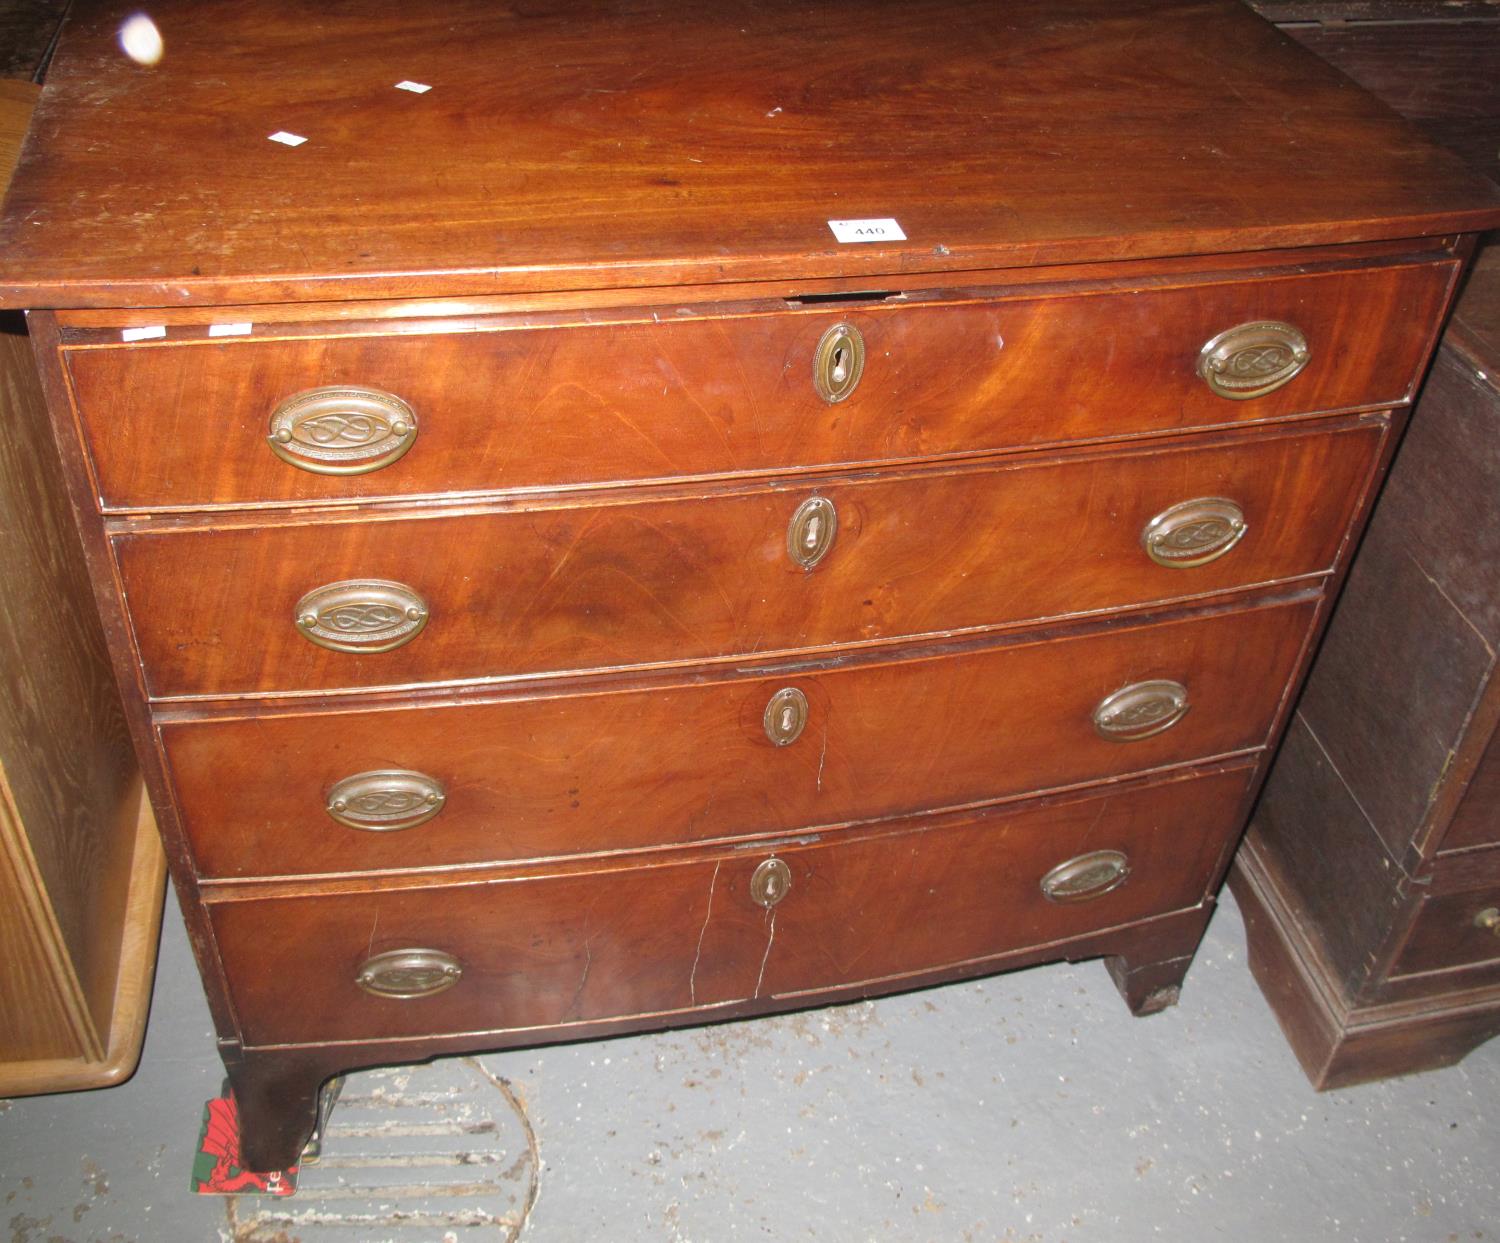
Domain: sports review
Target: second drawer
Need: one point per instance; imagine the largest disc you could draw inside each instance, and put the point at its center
(544, 589)
(565, 771)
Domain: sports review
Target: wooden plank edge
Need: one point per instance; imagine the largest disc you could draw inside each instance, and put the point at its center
(133, 982)
(1337, 1041)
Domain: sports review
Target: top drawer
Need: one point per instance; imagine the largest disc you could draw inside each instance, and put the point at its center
(508, 402)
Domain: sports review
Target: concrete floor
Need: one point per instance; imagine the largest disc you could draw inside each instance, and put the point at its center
(1022, 1107)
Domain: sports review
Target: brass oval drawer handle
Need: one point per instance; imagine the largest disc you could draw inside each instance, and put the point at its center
(1088, 876)
(361, 615)
(838, 362)
(386, 800)
(1251, 360)
(1489, 920)
(342, 430)
(785, 716)
(1141, 710)
(405, 974)
(1194, 532)
(809, 535)
(770, 882)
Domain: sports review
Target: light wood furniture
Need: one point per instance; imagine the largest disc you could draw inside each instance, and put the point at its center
(82, 873)
(561, 588)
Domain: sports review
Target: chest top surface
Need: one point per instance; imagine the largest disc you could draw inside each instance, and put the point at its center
(574, 145)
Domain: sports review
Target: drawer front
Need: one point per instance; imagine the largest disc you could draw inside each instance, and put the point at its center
(556, 589)
(558, 773)
(511, 404)
(649, 939)
(1456, 930)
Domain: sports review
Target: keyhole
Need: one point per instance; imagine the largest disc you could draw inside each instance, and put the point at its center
(840, 364)
(810, 539)
(787, 718)
(772, 885)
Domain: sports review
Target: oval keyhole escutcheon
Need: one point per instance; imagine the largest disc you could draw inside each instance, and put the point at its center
(838, 362)
(809, 535)
(770, 882)
(786, 716)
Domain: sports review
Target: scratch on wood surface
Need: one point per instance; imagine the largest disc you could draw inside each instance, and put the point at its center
(698, 953)
(588, 965)
(765, 958)
(822, 755)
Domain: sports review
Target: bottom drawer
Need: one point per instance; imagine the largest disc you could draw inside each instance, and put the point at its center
(647, 938)
(1455, 930)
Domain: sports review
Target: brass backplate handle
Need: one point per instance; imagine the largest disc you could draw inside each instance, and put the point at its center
(361, 615)
(1194, 532)
(1141, 710)
(385, 800)
(1087, 876)
(785, 716)
(770, 882)
(342, 429)
(809, 535)
(838, 362)
(1253, 359)
(409, 973)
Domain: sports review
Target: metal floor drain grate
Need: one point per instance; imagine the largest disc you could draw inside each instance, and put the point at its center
(440, 1153)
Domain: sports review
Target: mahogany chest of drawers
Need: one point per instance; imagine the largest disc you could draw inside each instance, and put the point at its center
(618, 517)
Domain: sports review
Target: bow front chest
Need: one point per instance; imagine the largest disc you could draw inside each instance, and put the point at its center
(619, 516)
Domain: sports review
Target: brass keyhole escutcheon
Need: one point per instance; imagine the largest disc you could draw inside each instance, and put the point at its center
(785, 716)
(809, 535)
(770, 882)
(838, 362)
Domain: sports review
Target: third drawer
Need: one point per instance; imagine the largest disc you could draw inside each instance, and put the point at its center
(620, 766)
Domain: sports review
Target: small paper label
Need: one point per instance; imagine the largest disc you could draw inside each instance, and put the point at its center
(230, 330)
(287, 140)
(416, 88)
(883, 229)
(143, 334)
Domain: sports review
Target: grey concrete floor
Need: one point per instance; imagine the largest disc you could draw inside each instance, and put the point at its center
(1029, 1106)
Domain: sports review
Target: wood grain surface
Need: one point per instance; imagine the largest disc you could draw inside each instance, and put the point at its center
(650, 581)
(562, 771)
(510, 402)
(686, 934)
(701, 142)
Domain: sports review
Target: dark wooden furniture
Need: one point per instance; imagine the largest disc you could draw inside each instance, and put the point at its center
(1437, 62)
(562, 589)
(81, 869)
(1370, 879)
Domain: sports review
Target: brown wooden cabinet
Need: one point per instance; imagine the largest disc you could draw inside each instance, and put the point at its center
(568, 580)
(1370, 879)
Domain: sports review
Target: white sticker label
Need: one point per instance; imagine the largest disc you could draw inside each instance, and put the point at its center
(287, 140)
(883, 229)
(143, 334)
(230, 330)
(416, 88)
